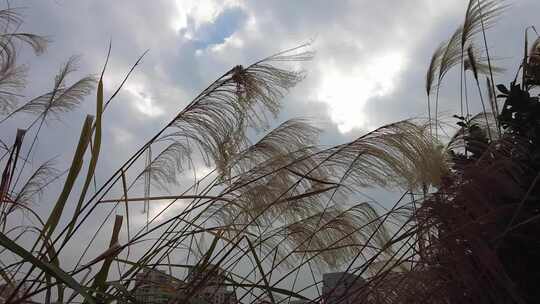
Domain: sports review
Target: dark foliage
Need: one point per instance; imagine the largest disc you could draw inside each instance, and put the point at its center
(487, 211)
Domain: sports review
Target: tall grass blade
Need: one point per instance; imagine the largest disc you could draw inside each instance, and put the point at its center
(95, 154)
(101, 277)
(73, 173)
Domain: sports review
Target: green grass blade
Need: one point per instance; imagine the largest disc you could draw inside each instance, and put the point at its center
(101, 277)
(95, 155)
(53, 258)
(74, 170)
(126, 204)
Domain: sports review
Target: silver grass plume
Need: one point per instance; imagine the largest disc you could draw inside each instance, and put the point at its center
(216, 120)
(478, 12)
(291, 136)
(401, 155)
(35, 185)
(455, 47)
(63, 97)
(477, 63)
(268, 169)
(451, 55)
(331, 237)
(290, 190)
(433, 68)
(163, 169)
(13, 76)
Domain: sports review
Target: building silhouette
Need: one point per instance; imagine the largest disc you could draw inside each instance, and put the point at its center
(209, 284)
(6, 291)
(154, 286)
(342, 288)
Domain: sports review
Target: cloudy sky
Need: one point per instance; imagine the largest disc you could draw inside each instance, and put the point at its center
(369, 68)
(371, 56)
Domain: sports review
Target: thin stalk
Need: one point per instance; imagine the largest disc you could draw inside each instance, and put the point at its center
(484, 109)
(468, 113)
(489, 64)
(429, 114)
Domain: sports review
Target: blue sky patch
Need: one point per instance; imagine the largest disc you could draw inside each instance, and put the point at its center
(212, 33)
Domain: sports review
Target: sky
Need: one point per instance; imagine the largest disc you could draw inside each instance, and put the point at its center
(368, 70)
(369, 67)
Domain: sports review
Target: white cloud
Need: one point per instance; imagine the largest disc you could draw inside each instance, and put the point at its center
(121, 135)
(232, 41)
(200, 12)
(143, 102)
(160, 209)
(346, 92)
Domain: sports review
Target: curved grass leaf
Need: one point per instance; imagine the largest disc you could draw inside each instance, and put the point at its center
(95, 154)
(74, 170)
(100, 279)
